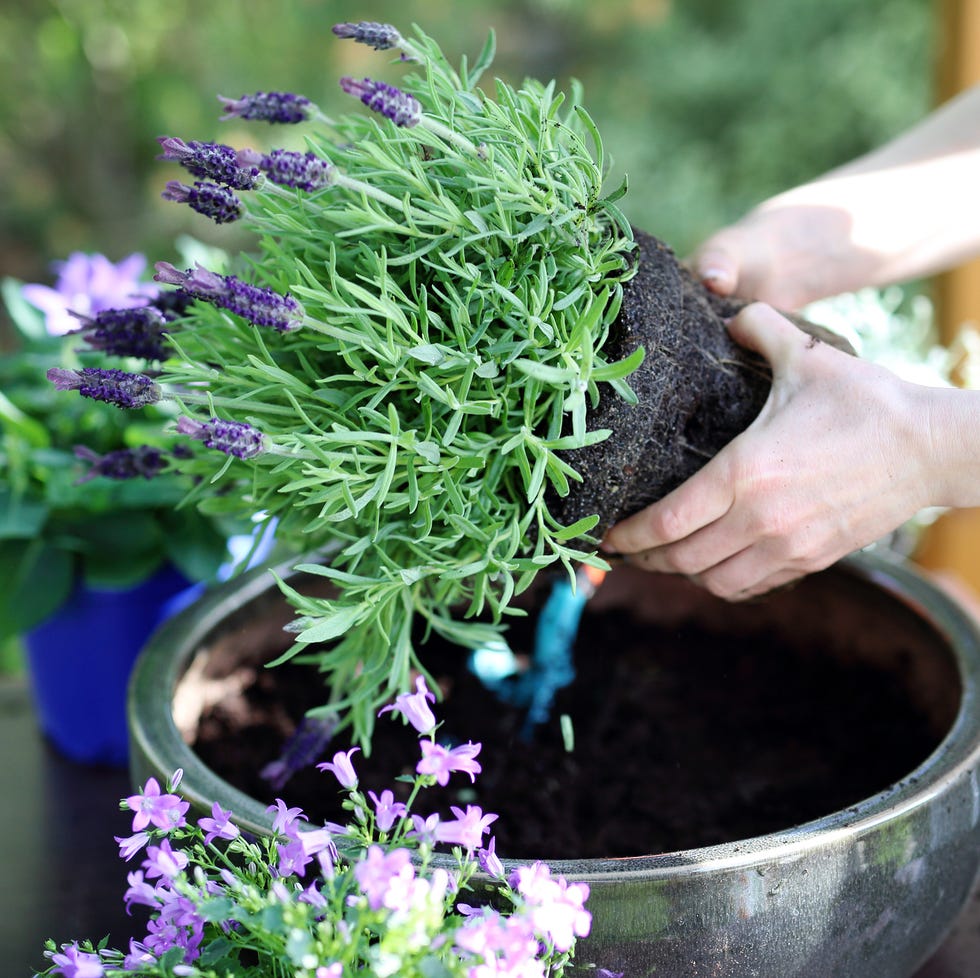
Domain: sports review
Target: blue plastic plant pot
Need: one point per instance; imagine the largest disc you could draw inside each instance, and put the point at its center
(80, 659)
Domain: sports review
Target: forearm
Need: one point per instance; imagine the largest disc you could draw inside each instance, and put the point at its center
(952, 437)
(908, 209)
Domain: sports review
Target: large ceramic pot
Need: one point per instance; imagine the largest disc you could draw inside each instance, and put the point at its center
(866, 891)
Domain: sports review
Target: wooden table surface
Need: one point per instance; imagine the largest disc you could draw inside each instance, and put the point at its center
(63, 877)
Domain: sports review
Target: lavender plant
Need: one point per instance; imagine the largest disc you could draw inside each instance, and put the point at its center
(106, 511)
(399, 366)
(373, 897)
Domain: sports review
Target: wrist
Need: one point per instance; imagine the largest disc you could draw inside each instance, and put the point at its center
(951, 421)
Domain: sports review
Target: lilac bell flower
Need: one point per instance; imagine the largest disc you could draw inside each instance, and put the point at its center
(236, 438)
(387, 811)
(211, 161)
(398, 106)
(88, 284)
(210, 199)
(152, 805)
(414, 707)
(74, 963)
(440, 762)
(467, 830)
(125, 390)
(342, 768)
(275, 107)
(258, 305)
(219, 825)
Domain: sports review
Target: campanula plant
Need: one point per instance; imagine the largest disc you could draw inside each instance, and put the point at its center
(392, 892)
(87, 492)
(400, 364)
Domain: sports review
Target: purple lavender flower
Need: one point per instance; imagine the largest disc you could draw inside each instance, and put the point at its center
(414, 707)
(144, 461)
(440, 762)
(211, 161)
(210, 199)
(258, 305)
(381, 37)
(276, 107)
(117, 387)
(151, 805)
(137, 331)
(342, 768)
(236, 438)
(306, 744)
(304, 171)
(398, 106)
(87, 284)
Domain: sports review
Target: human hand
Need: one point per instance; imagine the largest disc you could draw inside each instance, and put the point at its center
(837, 458)
(785, 254)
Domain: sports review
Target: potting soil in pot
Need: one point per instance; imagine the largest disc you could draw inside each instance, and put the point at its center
(683, 737)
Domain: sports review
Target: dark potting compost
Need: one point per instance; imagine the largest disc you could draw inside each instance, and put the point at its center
(686, 734)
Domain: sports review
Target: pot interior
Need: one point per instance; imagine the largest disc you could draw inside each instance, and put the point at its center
(695, 722)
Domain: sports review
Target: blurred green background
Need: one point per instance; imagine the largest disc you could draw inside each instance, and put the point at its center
(708, 105)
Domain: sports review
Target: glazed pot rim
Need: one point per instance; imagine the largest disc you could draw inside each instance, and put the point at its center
(156, 742)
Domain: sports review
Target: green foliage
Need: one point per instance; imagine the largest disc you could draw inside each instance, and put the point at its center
(55, 530)
(458, 280)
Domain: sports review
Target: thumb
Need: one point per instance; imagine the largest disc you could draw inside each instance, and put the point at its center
(760, 328)
(716, 265)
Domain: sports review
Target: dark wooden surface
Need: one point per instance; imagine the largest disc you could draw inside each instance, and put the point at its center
(62, 877)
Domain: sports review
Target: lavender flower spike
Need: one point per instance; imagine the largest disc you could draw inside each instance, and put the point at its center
(398, 106)
(211, 161)
(210, 199)
(136, 332)
(117, 387)
(304, 171)
(231, 437)
(261, 306)
(275, 107)
(145, 462)
(381, 37)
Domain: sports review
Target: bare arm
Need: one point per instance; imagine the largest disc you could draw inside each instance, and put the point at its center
(905, 210)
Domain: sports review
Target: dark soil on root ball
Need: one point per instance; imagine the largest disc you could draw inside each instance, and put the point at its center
(682, 738)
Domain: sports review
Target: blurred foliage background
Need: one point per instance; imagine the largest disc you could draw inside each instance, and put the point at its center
(708, 105)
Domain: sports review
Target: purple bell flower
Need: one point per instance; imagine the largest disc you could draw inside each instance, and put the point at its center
(210, 199)
(394, 104)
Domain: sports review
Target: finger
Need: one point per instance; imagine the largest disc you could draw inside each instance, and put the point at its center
(759, 328)
(695, 504)
(747, 574)
(717, 267)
